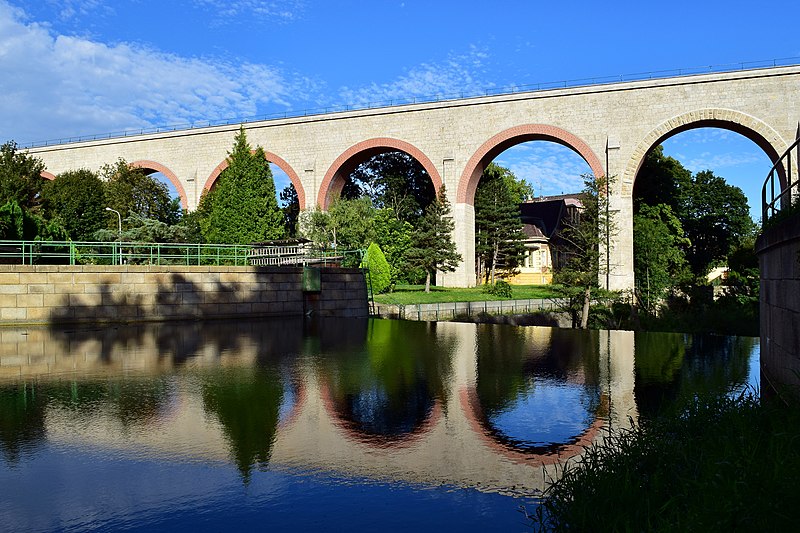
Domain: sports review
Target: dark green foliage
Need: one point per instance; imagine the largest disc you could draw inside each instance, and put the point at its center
(242, 207)
(17, 223)
(393, 180)
(660, 261)
(433, 247)
(395, 237)
(375, 262)
(20, 177)
(499, 288)
(76, 199)
(290, 210)
(719, 464)
(132, 192)
(141, 229)
(498, 228)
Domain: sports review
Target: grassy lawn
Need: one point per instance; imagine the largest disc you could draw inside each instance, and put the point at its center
(415, 294)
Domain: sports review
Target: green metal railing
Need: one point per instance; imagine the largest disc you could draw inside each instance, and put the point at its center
(121, 253)
(138, 253)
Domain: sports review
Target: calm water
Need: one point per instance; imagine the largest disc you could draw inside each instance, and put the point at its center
(340, 425)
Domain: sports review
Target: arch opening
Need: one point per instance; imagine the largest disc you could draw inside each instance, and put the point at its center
(370, 157)
(166, 176)
(695, 198)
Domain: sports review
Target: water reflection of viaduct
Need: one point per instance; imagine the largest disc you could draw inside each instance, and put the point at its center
(612, 127)
(451, 442)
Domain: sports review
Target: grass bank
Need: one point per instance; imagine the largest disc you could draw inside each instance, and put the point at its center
(718, 464)
(415, 294)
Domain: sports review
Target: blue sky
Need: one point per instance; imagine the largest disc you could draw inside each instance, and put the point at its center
(74, 67)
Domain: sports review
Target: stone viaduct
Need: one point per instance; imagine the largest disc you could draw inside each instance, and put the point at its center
(610, 126)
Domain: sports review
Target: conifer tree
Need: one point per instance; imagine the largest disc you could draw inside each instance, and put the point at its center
(242, 207)
(433, 247)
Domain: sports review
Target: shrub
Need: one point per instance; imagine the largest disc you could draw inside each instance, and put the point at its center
(500, 288)
(378, 267)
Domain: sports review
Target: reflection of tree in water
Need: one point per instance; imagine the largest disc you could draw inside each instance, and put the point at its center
(388, 388)
(247, 403)
(22, 417)
(673, 367)
(510, 361)
(134, 402)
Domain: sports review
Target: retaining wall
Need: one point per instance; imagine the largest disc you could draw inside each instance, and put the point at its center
(778, 250)
(87, 294)
(451, 310)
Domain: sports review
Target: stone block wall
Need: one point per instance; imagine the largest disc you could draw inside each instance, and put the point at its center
(85, 294)
(778, 250)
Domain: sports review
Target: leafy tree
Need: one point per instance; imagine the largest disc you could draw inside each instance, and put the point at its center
(378, 267)
(393, 180)
(290, 209)
(76, 199)
(433, 247)
(242, 207)
(498, 228)
(348, 225)
(130, 190)
(17, 223)
(659, 180)
(585, 237)
(659, 261)
(715, 216)
(143, 229)
(20, 177)
(395, 239)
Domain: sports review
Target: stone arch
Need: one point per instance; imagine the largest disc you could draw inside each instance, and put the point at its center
(158, 167)
(754, 129)
(334, 179)
(272, 158)
(47, 175)
(516, 135)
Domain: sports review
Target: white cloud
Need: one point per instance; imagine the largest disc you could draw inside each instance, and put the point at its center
(66, 86)
(284, 10)
(549, 167)
(456, 76)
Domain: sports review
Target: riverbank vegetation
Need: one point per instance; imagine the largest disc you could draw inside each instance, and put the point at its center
(716, 464)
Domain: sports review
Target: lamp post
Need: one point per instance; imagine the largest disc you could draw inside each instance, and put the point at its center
(119, 231)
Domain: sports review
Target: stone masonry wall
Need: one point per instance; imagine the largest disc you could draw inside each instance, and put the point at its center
(85, 294)
(778, 251)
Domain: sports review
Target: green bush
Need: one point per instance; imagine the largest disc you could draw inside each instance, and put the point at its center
(500, 288)
(378, 267)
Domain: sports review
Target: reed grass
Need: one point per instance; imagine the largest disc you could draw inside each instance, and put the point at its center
(718, 464)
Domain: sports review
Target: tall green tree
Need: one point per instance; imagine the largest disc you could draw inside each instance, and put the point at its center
(433, 247)
(375, 262)
(77, 200)
(18, 223)
(130, 190)
(242, 207)
(498, 227)
(659, 263)
(586, 236)
(347, 225)
(20, 177)
(290, 209)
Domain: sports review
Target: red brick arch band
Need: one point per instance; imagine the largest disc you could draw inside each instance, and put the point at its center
(334, 179)
(513, 136)
(274, 159)
(158, 167)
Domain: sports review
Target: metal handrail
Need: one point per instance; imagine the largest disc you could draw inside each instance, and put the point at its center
(772, 204)
(440, 97)
(142, 253)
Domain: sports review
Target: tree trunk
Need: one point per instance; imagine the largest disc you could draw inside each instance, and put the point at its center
(587, 299)
(428, 282)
